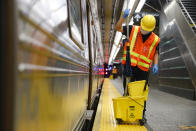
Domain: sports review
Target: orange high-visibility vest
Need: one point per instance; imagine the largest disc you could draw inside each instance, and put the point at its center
(114, 71)
(141, 54)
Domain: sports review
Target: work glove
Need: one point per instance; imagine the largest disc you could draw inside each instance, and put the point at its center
(155, 69)
(126, 13)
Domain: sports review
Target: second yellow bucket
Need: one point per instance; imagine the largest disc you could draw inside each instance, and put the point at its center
(111, 77)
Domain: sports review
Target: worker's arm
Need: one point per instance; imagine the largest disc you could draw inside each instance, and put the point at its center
(156, 57)
(155, 66)
(119, 26)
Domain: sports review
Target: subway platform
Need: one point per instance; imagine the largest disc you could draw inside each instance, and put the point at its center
(165, 112)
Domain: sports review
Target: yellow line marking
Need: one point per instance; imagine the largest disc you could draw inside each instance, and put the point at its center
(187, 127)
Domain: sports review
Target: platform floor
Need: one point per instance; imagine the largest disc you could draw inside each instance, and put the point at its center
(165, 112)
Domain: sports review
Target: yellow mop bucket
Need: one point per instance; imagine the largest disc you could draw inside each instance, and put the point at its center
(111, 77)
(136, 89)
(130, 108)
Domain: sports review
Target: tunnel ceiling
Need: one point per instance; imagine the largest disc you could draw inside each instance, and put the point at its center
(109, 12)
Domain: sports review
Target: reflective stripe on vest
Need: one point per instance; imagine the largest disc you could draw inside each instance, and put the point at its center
(132, 53)
(132, 60)
(153, 44)
(144, 64)
(145, 59)
(134, 38)
(132, 44)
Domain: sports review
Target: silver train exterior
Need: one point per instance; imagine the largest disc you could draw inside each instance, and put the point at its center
(58, 64)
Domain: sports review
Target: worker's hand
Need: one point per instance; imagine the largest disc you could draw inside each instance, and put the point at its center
(126, 13)
(155, 69)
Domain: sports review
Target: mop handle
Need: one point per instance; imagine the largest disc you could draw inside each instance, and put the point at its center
(146, 83)
(127, 22)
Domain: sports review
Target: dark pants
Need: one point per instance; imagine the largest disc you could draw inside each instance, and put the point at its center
(115, 75)
(138, 75)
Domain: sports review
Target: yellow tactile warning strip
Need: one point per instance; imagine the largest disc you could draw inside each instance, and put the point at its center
(105, 120)
(187, 127)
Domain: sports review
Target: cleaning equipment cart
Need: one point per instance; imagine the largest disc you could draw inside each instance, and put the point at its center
(129, 109)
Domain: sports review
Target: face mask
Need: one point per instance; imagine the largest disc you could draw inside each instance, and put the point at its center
(144, 32)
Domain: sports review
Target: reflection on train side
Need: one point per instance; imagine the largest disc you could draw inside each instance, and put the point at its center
(53, 65)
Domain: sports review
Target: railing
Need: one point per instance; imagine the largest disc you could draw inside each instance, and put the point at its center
(189, 10)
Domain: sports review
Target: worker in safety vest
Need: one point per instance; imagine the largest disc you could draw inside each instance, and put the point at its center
(143, 46)
(114, 72)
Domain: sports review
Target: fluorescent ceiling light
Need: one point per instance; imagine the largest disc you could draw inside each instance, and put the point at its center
(115, 45)
(131, 22)
(113, 51)
(140, 5)
(116, 53)
(110, 60)
(117, 37)
(112, 54)
(130, 6)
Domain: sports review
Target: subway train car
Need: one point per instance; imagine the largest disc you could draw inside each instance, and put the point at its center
(56, 58)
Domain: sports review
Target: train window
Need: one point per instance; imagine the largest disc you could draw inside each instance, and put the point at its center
(84, 21)
(75, 22)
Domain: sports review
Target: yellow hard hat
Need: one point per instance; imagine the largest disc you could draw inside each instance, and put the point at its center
(148, 23)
